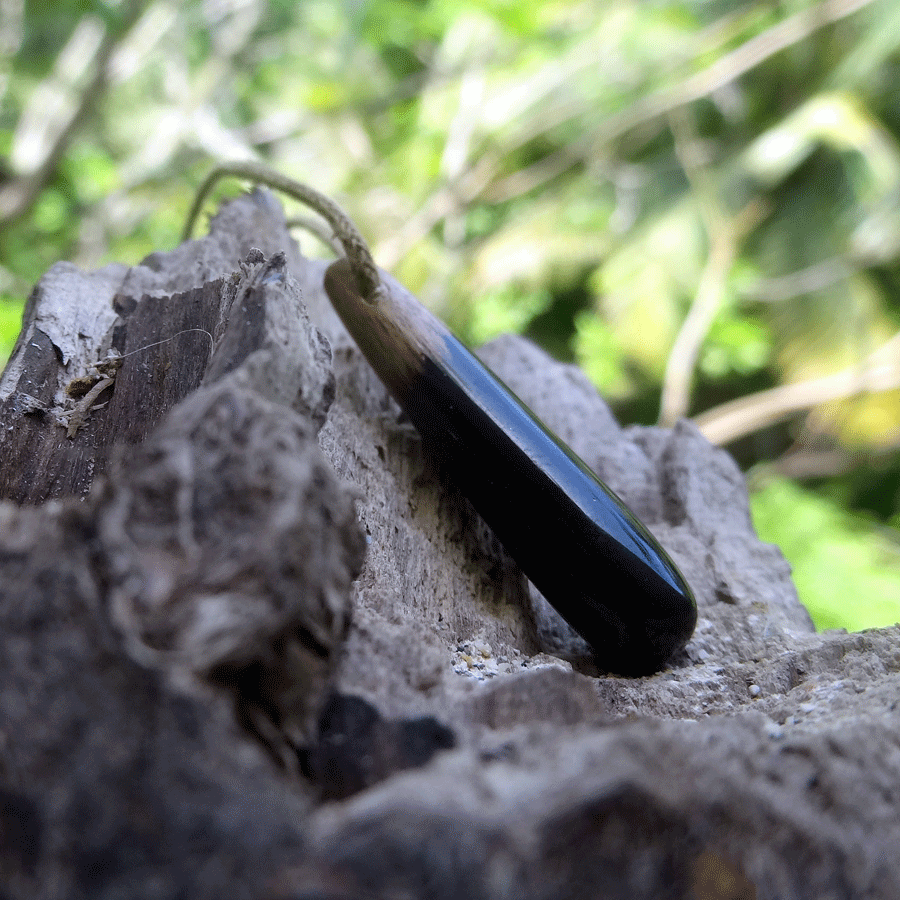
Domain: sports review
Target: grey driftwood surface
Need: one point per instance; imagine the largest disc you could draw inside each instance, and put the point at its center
(253, 645)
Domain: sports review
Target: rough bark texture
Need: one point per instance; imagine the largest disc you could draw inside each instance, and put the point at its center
(252, 644)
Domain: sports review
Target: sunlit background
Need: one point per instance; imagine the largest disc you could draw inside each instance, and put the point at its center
(697, 202)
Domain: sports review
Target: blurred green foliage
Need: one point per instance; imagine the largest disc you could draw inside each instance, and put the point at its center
(846, 567)
(698, 202)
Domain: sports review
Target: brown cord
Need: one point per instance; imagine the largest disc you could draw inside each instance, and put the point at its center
(357, 250)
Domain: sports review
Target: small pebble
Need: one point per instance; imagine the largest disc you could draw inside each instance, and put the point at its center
(476, 660)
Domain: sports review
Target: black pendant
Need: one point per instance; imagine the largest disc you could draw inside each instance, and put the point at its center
(573, 537)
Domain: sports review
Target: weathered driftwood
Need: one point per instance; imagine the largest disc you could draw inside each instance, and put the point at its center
(196, 698)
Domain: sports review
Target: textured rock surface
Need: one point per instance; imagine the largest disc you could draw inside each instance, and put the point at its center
(187, 707)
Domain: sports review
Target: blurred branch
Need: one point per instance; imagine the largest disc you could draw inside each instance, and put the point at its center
(725, 243)
(458, 145)
(813, 278)
(12, 33)
(725, 234)
(722, 72)
(447, 200)
(550, 115)
(481, 182)
(807, 462)
(879, 372)
(468, 181)
(729, 67)
(17, 195)
(804, 464)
